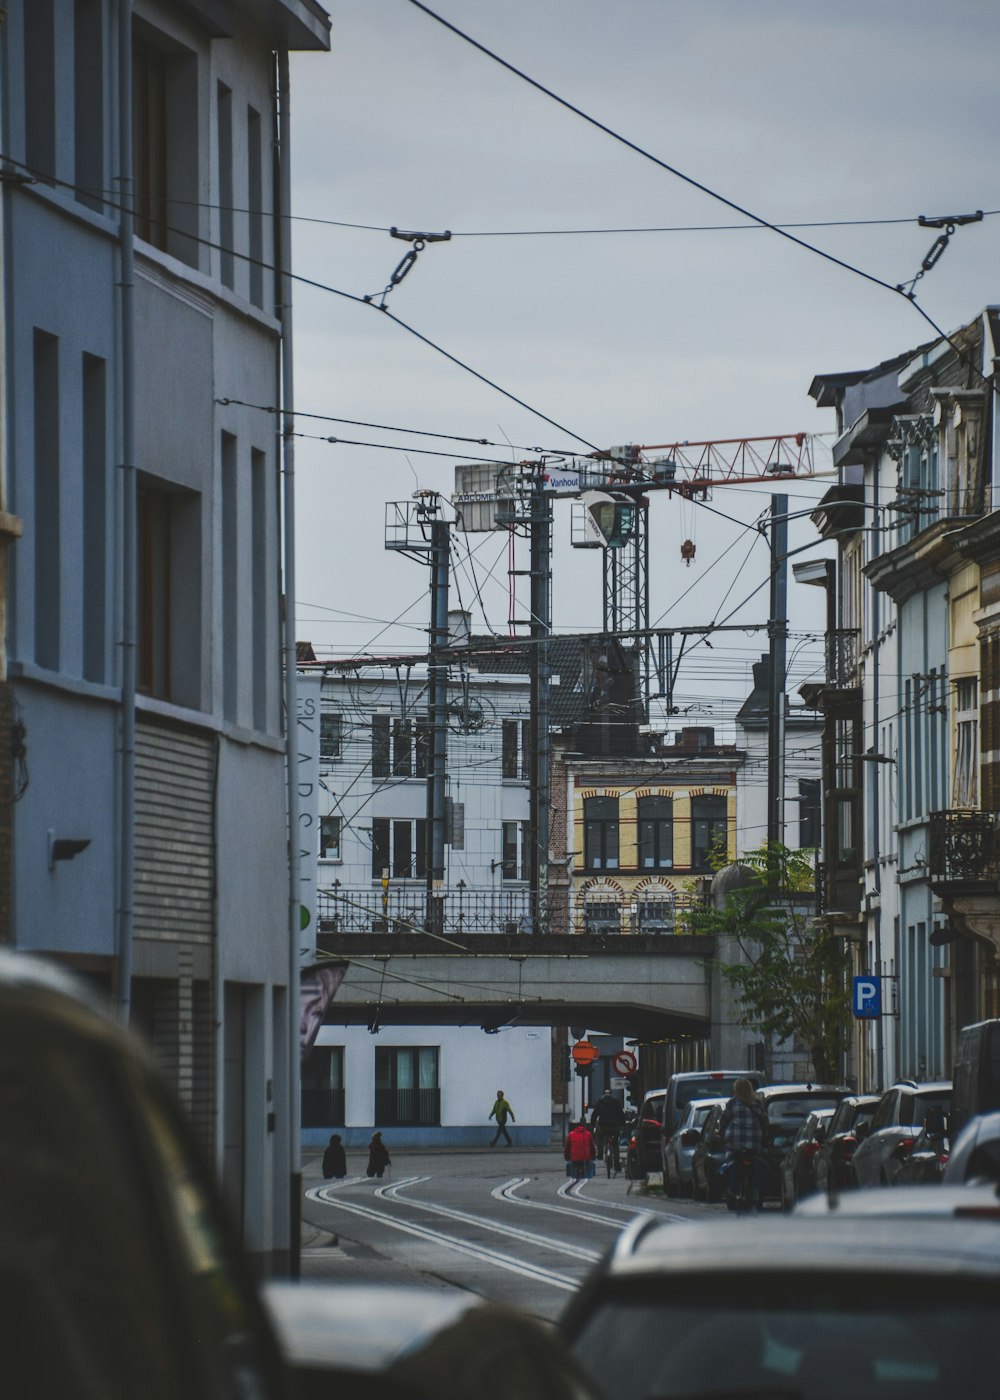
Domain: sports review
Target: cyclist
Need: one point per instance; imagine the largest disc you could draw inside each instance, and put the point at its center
(744, 1130)
(607, 1121)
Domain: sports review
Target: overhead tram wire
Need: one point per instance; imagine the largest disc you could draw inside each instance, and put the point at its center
(687, 179)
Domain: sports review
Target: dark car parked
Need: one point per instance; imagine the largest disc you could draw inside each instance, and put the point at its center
(643, 1154)
(896, 1125)
(788, 1106)
(833, 1160)
(975, 1153)
(798, 1166)
(708, 1157)
(680, 1147)
(688, 1085)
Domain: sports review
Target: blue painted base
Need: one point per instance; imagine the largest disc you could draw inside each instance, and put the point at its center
(450, 1136)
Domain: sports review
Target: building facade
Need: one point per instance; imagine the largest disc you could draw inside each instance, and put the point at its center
(141, 205)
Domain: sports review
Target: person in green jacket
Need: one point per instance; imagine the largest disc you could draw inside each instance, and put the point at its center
(501, 1111)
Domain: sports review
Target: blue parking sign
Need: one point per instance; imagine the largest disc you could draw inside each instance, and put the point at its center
(866, 1000)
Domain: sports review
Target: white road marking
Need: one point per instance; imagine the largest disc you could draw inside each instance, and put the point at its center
(506, 1193)
(478, 1252)
(618, 1205)
(481, 1222)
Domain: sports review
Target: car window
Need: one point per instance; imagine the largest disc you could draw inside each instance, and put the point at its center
(701, 1116)
(842, 1119)
(785, 1115)
(863, 1113)
(688, 1089)
(883, 1113)
(780, 1343)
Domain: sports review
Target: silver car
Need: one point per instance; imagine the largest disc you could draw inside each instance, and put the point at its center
(678, 1148)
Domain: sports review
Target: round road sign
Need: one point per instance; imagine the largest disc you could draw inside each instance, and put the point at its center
(625, 1062)
(584, 1053)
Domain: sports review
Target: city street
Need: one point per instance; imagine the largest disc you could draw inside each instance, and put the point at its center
(505, 1224)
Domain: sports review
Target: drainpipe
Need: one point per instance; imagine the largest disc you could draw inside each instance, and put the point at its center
(876, 816)
(126, 242)
(283, 230)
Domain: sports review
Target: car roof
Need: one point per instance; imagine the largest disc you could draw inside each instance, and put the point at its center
(922, 1086)
(929, 1201)
(792, 1244)
(778, 1091)
(702, 1103)
(717, 1074)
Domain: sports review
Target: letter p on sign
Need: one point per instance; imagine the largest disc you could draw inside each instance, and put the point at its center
(866, 1002)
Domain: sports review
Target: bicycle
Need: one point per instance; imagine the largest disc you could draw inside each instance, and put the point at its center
(608, 1153)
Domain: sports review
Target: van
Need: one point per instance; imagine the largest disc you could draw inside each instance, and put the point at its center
(976, 1076)
(699, 1084)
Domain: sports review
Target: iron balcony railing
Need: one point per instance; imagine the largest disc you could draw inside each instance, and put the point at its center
(407, 910)
(842, 657)
(965, 847)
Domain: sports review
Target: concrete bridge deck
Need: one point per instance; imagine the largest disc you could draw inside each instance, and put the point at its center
(650, 987)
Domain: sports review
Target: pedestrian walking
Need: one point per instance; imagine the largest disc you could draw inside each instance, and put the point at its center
(378, 1156)
(501, 1111)
(335, 1159)
(579, 1148)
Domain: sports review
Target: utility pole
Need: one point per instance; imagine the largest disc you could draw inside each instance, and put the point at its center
(437, 714)
(777, 630)
(540, 538)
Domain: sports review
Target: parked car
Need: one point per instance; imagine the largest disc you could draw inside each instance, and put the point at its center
(926, 1160)
(798, 1166)
(896, 1124)
(833, 1160)
(119, 1273)
(679, 1148)
(976, 1075)
(975, 1152)
(402, 1342)
(643, 1155)
(788, 1106)
(707, 1157)
(812, 1308)
(698, 1084)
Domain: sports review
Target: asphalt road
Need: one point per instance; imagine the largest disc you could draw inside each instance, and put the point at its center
(504, 1224)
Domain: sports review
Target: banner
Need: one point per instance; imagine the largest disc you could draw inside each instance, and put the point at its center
(317, 989)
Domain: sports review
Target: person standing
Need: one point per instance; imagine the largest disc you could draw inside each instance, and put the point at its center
(607, 1121)
(501, 1111)
(579, 1148)
(335, 1159)
(378, 1156)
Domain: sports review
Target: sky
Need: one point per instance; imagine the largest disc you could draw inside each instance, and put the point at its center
(798, 112)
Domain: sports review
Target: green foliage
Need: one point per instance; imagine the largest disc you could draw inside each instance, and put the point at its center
(793, 981)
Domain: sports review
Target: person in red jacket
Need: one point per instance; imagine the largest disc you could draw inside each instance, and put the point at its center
(579, 1149)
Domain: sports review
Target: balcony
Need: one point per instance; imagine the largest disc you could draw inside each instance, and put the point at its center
(965, 852)
(842, 657)
(407, 1107)
(404, 910)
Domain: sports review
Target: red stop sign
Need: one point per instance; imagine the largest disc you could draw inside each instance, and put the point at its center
(584, 1053)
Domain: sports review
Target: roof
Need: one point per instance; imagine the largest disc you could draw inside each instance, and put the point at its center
(824, 387)
(792, 1244)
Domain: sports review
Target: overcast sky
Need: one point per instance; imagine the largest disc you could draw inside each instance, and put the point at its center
(800, 112)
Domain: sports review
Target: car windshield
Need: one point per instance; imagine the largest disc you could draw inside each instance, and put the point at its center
(786, 1347)
(689, 1089)
(786, 1115)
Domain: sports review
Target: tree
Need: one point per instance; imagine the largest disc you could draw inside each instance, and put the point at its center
(794, 980)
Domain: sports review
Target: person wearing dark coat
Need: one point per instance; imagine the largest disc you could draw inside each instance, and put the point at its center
(335, 1159)
(378, 1156)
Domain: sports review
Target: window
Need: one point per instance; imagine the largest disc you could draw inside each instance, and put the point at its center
(168, 659)
(88, 88)
(600, 916)
(165, 143)
(95, 508)
(323, 1087)
(407, 1091)
(400, 747)
(600, 833)
(329, 838)
(514, 862)
(255, 212)
(48, 570)
(965, 783)
(656, 915)
(224, 138)
(40, 86)
(709, 829)
(656, 833)
(516, 748)
(399, 847)
(260, 582)
(331, 735)
(230, 578)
